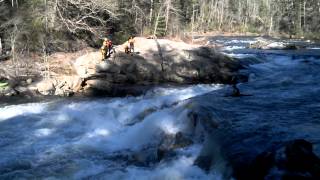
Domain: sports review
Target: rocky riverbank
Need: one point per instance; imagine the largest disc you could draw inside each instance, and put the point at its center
(154, 62)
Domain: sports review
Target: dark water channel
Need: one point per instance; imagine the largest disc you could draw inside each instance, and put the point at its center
(284, 106)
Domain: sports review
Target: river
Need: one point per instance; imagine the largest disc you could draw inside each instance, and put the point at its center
(119, 138)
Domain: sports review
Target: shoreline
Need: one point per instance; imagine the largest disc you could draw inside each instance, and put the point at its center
(250, 34)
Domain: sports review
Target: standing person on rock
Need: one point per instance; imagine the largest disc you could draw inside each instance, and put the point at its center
(110, 47)
(131, 44)
(126, 48)
(104, 49)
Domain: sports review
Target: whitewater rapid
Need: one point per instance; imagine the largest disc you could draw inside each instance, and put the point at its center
(99, 139)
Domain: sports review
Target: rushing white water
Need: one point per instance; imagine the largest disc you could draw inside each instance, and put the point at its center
(230, 48)
(104, 139)
(235, 41)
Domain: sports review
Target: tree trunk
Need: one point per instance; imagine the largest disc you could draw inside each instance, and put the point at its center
(168, 7)
(156, 23)
(192, 22)
(271, 24)
(304, 14)
(45, 41)
(221, 16)
(0, 47)
(299, 15)
(151, 13)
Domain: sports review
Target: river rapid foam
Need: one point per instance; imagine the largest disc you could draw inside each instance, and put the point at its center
(99, 139)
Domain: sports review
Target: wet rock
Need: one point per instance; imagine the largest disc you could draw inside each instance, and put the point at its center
(176, 141)
(181, 141)
(301, 159)
(291, 47)
(263, 163)
(171, 142)
(203, 118)
(265, 44)
(141, 116)
(7, 90)
(261, 43)
(204, 162)
(10, 92)
(212, 157)
(145, 156)
(295, 160)
(21, 89)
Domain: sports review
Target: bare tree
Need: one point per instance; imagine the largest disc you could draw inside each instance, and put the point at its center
(0, 46)
(85, 15)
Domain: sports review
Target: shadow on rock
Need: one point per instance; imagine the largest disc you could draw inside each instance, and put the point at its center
(293, 160)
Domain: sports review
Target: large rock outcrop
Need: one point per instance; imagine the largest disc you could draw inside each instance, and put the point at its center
(155, 62)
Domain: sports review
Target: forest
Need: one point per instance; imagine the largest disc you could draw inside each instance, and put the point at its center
(69, 25)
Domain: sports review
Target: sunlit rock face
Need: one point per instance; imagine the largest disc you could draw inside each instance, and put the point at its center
(156, 62)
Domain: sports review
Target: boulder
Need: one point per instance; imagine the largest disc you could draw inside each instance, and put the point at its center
(46, 87)
(294, 160)
(171, 142)
(98, 84)
(8, 91)
(86, 65)
(265, 44)
(29, 81)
